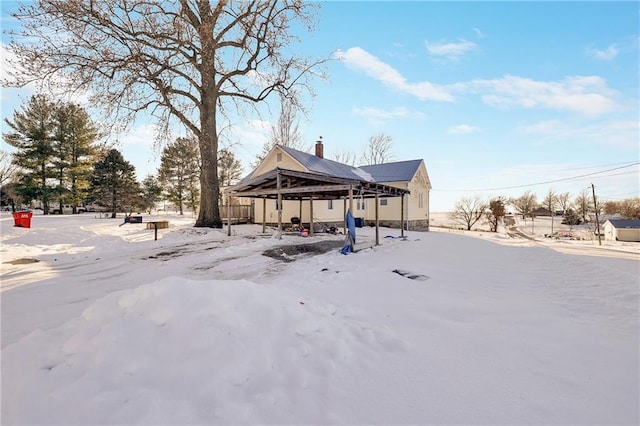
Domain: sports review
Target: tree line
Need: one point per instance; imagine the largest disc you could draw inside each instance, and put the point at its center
(60, 160)
(470, 211)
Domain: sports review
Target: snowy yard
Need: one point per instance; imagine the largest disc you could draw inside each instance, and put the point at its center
(103, 325)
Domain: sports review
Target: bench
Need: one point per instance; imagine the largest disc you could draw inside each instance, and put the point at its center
(158, 224)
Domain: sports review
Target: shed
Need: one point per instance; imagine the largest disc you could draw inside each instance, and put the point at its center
(622, 230)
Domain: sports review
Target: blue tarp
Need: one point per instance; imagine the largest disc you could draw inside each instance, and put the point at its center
(351, 234)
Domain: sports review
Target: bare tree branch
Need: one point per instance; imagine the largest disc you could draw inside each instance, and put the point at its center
(190, 61)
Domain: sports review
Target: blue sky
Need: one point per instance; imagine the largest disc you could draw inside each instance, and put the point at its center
(498, 98)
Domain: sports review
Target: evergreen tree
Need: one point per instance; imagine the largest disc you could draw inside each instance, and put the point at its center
(229, 168)
(571, 217)
(114, 184)
(179, 172)
(75, 152)
(32, 131)
(151, 192)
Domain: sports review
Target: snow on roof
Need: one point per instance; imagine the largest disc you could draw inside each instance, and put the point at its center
(328, 167)
(625, 223)
(401, 171)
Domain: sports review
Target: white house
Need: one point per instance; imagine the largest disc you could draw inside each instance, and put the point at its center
(622, 230)
(410, 177)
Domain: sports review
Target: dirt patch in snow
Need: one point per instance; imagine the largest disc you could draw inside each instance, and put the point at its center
(22, 261)
(290, 253)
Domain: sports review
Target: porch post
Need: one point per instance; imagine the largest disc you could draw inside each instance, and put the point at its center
(402, 215)
(279, 187)
(377, 221)
(264, 215)
(310, 215)
(300, 214)
(228, 200)
(344, 215)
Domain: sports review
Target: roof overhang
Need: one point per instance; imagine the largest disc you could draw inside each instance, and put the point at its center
(297, 185)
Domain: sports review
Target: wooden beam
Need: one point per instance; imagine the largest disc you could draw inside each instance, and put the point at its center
(402, 215)
(297, 190)
(279, 186)
(344, 215)
(228, 215)
(264, 215)
(317, 177)
(377, 221)
(310, 215)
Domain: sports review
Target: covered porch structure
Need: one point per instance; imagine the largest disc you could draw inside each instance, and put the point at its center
(284, 184)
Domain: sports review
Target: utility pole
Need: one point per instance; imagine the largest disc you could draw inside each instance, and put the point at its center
(595, 206)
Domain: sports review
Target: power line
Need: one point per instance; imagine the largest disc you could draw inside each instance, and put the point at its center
(546, 182)
(511, 173)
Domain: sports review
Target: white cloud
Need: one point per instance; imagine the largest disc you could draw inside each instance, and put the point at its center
(617, 133)
(479, 33)
(358, 58)
(140, 136)
(449, 50)
(378, 116)
(253, 132)
(462, 129)
(603, 54)
(588, 95)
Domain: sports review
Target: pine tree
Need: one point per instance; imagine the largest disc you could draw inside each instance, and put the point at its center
(151, 192)
(75, 153)
(229, 168)
(114, 184)
(179, 172)
(32, 134)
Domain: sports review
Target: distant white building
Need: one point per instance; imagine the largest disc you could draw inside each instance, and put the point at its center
(622, 230)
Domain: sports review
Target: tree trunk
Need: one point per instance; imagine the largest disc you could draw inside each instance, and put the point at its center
(209, 213)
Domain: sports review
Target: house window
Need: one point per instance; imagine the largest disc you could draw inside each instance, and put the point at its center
(330, 204)
(360, 204)
(383, 201)
(279, 157)
(421, 200)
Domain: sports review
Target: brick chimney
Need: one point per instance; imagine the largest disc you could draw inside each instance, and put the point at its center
(319, 148)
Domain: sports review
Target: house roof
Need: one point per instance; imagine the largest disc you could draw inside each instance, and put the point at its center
(625, 223)
(326, 179)
(324, 166)
(292, 184)
(400, 171)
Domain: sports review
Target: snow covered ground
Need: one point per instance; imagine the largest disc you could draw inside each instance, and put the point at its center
(103, 325)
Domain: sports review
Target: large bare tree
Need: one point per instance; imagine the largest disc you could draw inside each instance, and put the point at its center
(286, 131)
(550, 202)
(378, 150)
(525, 204)
(188, 60)
(8, 169)
(468, 211)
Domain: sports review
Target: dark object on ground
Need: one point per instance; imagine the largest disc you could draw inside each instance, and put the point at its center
(411, 275)
(22, 261)
(289, 253)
